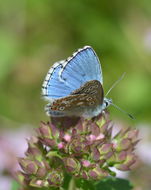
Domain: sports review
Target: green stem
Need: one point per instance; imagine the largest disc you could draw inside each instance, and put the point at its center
(72, 185)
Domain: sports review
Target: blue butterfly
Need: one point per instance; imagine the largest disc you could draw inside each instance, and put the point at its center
(73, 86)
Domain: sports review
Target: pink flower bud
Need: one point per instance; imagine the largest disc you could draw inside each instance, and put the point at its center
(86, 163)
(61, 145)
(67, 137)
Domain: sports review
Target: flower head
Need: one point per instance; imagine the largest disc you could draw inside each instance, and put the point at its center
(84, 149)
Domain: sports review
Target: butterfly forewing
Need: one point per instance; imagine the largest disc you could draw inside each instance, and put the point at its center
(81, 67)
(68, 75)
(52, 87)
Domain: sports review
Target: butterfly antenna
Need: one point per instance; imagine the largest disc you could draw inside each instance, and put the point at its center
(122, 111)
(115, 83)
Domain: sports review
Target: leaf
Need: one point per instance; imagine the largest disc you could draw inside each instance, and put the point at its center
(114, 184)
(84, 184)
(15, 185)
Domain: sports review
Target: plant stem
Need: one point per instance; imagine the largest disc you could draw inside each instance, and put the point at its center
(72, 185)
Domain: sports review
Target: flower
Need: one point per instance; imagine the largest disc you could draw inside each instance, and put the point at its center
(84, 149)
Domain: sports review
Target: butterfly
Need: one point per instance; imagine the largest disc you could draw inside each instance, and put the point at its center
(74, 87)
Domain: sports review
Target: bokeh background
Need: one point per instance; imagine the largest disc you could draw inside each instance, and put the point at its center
(36, 33)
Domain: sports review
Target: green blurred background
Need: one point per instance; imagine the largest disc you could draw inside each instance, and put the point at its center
(36, 33)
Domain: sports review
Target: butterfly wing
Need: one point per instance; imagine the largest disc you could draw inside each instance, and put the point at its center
(83, 66)
(66, 76)
(87, 97)
(52, 87)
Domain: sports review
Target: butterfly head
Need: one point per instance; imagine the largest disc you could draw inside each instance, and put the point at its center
(106, 102)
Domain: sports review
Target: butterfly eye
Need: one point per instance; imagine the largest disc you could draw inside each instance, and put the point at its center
(106, 103)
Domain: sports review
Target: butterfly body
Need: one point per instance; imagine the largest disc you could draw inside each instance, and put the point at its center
(74, 87)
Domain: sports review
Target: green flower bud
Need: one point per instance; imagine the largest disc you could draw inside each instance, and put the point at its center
(77, 145)
(33, 167)
(45, 131)
(55, 178)
(48, 142)
(101, 121)
(22, 178)
(95, 130)
(41, 172)
(97, 173)
(130, 160)
(123, 144)
(28, 166)
(106, 151)
(48, 134)
(133, 135)
(105, 148)
(33, 152)
(95, 154)
(72, 165)
(84, 175)
(104, 125)
(35, 149)
(38, 182)
(120, 157)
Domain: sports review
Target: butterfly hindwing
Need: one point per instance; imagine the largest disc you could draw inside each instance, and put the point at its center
(87, 96)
